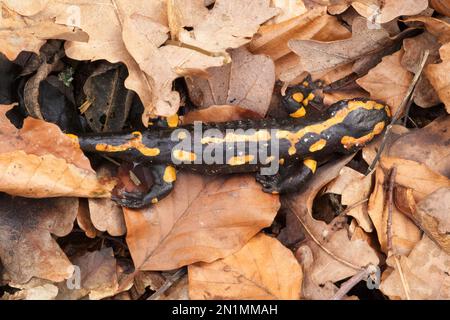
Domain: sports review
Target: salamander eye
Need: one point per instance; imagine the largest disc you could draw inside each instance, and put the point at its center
(298, 96)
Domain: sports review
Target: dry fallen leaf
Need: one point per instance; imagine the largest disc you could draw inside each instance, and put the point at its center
(437, 27)
(432, 215)
(262, 269)
(388, 81)
(203, 219)
(387, 10)
(336, 257)
(39, 161)
(248, 82)
(439, 75)
(354, 187)
(428, 145)
(425, 272)
(106, 215)
(220, 113)
(404, 233)
(27, 248)
(98, 277)
(318, 56)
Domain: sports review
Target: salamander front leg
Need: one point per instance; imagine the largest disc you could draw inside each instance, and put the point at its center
(289, 179)
(164, 177)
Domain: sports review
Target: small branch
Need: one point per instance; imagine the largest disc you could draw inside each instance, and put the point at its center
(390, 208)
(353, 281)
(402, 278)
(353, 206)
(399, 111)
(169, 282)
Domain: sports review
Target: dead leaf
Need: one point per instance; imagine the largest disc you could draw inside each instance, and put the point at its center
(248, 82)
(84, 220)
(19, 33)
(289, 9)
(221, 113)
(426, 272)
(336, 256)
(354, 188)
(230, 24)
(27, 248)
(38, 161)
(438, 74)
(432, 215)
(35, 289)
(106, 215)
(404, 233)
(318, 56)
(424, 94)
(199, 221)
(441, 6)
(437, 27)
(428, 145)
(98, 277)
(26, 7)
(416, 176)
(387, 10)
(262, 269)
(388, 81)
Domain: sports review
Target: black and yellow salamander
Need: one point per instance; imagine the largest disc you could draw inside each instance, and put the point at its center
(286, 152)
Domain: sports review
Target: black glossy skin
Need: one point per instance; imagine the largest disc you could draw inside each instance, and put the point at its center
(358, 123)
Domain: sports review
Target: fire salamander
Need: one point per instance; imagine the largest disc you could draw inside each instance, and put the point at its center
(284, 152)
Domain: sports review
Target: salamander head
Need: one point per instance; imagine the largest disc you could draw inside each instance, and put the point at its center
(361, 120)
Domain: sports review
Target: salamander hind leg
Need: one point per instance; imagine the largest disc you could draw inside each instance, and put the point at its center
(164, 177)
(289, 179)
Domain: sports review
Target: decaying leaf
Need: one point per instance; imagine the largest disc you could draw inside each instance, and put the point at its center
(248, 82)
(199, 221)
(106, 215)
(262, 269)
(388, 81)
(98, 277)
(220, 113)
(404, 233)
(38, 161)
(336, 257)
(27, 248)
(318, 56)
(424, 274)
(438, 74)
(354, 188)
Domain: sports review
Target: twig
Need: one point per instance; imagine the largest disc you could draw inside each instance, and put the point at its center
(399, 111)
(353, 206)
(390, 208)
(169, 282)
(353, 281)
(408, 107)
(402, 278)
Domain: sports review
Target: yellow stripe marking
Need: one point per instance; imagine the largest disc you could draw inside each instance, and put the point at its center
(73, 137)
(294, 137)
(170, 174)
(155, 200)
(240, 160)
(319, 145)
(133, 143)
(349, 142)
(311, 164)
(172, 121)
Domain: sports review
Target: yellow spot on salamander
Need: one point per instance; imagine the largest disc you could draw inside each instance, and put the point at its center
(319, 145)
(349, 142)
(281, 161)
(310, 96)
(170, 174)
(299, 113)
(275, 192)
(240, 160)
(311, 164)
(134, 143)
(155, 200)
(172, 121)
(292, 150)
(260, 135)
(184, 156)
(305, 83)
(388, 111)
(298, 96)
(73, 137)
